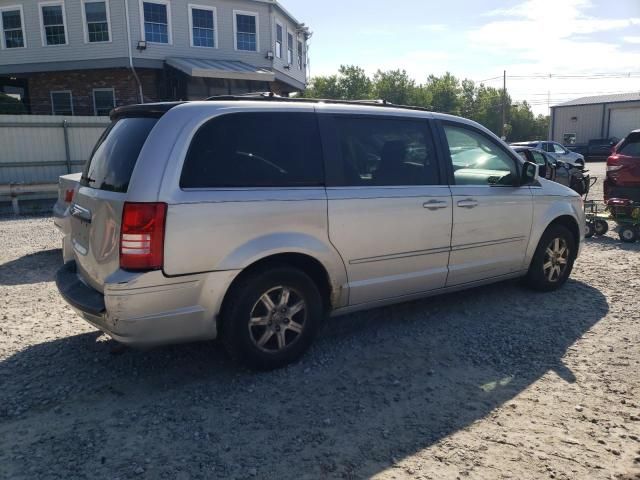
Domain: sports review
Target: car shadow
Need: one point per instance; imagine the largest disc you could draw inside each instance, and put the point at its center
(609, 242)
(33, 268)
(376, 387)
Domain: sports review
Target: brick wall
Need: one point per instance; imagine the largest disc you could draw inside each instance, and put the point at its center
(82, 82)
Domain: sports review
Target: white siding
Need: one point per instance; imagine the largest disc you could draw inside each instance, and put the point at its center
(77, 49)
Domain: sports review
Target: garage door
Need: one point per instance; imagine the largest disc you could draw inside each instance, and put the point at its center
(623, 120)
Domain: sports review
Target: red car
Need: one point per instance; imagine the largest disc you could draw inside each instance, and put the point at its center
(623, 169)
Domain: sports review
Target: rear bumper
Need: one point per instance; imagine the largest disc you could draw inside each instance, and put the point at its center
(147, 309)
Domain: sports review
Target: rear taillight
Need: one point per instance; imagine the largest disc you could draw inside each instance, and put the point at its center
(142, 236)
(68, 195)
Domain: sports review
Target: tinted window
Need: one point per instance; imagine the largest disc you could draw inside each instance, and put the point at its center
(384, 151)
(255, 150)
(631, 146)
(116, 153)
(477, 159)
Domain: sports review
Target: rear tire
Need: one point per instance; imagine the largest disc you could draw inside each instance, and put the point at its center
(553, 259)
(628, 234)
(271, 317)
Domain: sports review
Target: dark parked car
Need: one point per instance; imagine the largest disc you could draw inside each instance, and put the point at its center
(556, 170)
(623, 169)
(596, 149)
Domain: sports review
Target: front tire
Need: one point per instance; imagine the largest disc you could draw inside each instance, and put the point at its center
(601, 227)
(271, 317)
(553, 260)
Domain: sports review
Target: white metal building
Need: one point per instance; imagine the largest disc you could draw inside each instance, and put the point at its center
(602, 116)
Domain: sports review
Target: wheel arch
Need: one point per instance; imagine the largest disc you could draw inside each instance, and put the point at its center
(302, 261)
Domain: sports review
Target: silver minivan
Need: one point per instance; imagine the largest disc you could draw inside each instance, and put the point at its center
(252, 219)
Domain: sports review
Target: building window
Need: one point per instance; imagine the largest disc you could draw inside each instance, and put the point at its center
(156, 19)
(104, 101)
(279, 40)
(53, 23)
(12, 21)
(97, 28)
(300, 54)
(202, 21)
(246, 30)
(290, 48)
(61, 103)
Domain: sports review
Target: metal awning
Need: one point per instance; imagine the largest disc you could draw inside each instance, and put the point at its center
(208, 68)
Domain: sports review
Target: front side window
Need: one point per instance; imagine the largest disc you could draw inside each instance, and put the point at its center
(538, 158)
(547, 147)
(255, 150)
(478, 159)
(299, 55)
(384, 152)
(103, 101)
(61, 103)
(97, 19)
(12, 32)
(289, 48)
(53, 24)
(246, 32)
(156, 22)
(202, 27)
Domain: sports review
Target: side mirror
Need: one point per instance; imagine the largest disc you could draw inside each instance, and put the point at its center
(529, 173)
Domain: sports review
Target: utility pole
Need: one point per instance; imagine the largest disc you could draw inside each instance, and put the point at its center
(504, 105)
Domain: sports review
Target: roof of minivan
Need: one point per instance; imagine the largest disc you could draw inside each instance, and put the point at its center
(159, 109)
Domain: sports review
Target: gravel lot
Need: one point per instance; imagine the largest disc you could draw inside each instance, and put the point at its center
(496, 382)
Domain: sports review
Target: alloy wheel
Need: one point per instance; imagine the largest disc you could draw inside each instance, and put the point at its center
(277, 319)
(556, 259)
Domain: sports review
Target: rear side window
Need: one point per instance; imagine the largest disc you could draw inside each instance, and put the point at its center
(116, 153)
(261, 149)
(631, 146)
(384, 152)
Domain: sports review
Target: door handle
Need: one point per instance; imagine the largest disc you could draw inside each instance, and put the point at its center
(468, 203)
(435, 205)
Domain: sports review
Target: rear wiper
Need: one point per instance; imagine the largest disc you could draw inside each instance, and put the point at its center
(87, 179)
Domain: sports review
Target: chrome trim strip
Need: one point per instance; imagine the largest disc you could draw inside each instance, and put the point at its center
(394, 256)
(468, 246)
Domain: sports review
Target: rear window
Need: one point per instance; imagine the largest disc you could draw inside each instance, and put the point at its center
(116, 153)
(631, 146)
(264, 149)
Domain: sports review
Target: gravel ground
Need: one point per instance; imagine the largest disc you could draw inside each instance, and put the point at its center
(496, 382)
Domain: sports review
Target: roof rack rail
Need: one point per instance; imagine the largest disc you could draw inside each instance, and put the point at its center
(270, 96)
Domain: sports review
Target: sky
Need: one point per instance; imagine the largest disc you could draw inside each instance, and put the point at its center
(479, 39)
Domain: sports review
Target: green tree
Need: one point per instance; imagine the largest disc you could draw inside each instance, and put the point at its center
(324, 87)
(353, 83)
(522, 122)
(394, 86)
(445, 93)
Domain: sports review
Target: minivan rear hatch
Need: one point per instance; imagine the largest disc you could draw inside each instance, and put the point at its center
(96, 212)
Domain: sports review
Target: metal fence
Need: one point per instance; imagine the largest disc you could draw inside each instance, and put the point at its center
(37, 149)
